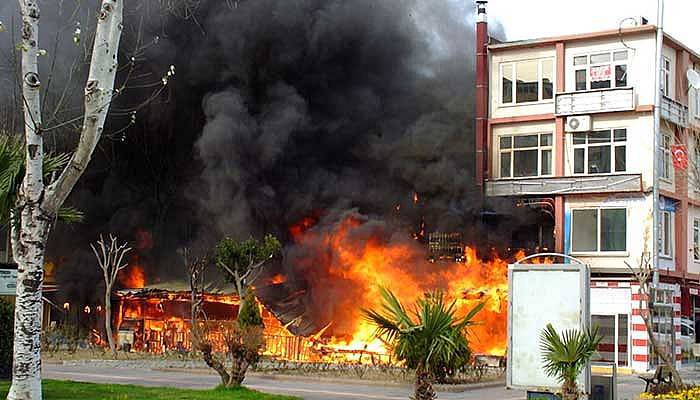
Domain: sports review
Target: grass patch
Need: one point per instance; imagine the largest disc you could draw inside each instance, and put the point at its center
(68, 390)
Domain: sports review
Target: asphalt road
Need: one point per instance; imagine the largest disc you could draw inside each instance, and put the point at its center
(307, 389)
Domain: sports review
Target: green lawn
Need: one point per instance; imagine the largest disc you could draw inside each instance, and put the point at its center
(67, 390)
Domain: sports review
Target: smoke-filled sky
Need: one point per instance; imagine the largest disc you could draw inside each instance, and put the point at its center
(279, 110)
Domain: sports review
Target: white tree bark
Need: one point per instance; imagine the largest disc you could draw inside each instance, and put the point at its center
(29, 241)
(37, 205)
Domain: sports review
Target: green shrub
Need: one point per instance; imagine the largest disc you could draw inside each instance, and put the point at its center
(249, 315)
(7, 317)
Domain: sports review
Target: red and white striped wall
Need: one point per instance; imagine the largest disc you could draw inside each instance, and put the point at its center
(638, 333)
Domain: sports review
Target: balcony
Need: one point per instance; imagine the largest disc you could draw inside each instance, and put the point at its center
(617, 183)
(674, 112)
(594, 101)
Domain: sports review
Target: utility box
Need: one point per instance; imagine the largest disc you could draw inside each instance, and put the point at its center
(539, 294)
(603, 381)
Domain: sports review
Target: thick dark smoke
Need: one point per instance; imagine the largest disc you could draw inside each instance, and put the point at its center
(279, 110)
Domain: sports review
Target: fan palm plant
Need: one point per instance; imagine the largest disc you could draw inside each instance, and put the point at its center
(430, 339)
(566, 355)
(12, 173)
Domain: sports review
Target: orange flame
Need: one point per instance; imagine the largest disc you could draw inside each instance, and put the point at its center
(278, 279)
(132, 277)
(363, 266)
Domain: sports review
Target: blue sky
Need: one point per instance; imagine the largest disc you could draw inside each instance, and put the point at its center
(527, 19)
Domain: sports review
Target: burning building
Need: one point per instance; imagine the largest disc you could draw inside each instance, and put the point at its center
(157, 319)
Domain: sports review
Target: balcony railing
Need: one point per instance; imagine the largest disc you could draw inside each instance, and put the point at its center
(595, 101)
(616, 183)
(674, 112)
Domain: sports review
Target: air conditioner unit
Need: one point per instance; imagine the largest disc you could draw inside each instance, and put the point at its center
(579, 123)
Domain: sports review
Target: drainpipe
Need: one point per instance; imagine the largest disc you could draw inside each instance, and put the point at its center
(482, 95)
(657, 140)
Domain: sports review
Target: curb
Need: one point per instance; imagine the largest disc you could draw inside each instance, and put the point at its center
(446, 388)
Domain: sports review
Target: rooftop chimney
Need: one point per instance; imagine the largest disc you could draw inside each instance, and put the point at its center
(482, 96)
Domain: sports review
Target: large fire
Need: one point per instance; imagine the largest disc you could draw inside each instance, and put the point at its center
(357, 260)
(343, 267)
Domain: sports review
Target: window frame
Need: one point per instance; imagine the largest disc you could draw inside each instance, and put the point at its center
(666, 173)
(599, 252)
(613, 64)
(586, 146)
(540, 86)
(540, 148)
(666, 76)
(662, 236)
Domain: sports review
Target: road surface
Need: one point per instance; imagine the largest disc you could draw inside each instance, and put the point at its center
(306, 389)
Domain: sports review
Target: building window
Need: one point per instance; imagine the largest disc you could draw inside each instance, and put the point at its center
(600, 152)
(696, 240)
(599, 230)
(665, 76)
(601, 70)
(525, 155)
(666, 247)
(666, 161)
(527, 81)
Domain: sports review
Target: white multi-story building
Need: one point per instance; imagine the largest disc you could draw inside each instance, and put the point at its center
(570, 125)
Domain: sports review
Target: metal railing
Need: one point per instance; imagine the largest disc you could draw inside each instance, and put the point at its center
(674, 112)
(594, 101)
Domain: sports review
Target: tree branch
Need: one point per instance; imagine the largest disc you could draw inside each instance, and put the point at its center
(98, 94)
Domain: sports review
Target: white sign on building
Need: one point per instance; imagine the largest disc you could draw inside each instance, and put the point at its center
(8, 282)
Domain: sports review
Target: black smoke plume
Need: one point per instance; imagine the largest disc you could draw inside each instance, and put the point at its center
(279, 110)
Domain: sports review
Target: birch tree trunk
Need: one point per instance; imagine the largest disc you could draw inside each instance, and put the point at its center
(30, 239)
(37, 205)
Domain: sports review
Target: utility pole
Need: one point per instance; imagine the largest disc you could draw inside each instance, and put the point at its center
(657, 140)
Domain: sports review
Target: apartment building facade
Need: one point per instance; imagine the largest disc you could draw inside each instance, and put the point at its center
(570, 125)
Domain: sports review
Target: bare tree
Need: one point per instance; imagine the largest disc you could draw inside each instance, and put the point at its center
(38, 202)
(643, 273)
(195, 271)
(110, 258)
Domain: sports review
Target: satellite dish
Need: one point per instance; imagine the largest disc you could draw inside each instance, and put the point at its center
(693, 78)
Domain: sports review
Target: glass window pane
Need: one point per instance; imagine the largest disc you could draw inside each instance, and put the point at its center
(546, 139)
(620, 158)
(546, 162)
(613, 230)
(579, 161)
(505, 165)
(525, 141)
(606, 329)
(580, 60)
(620, 55)
(584, 232)
(579, 138)
(581, 79)
(598, 159)
(620, 75)
(696, 241)
(507, 83)
(526, 82)
(622, 344)
(599, 137)
(547, 79)
(601, 84)
(620, 135)
(600, 58)
(525, 163)
(667, 234)
(506, 142)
